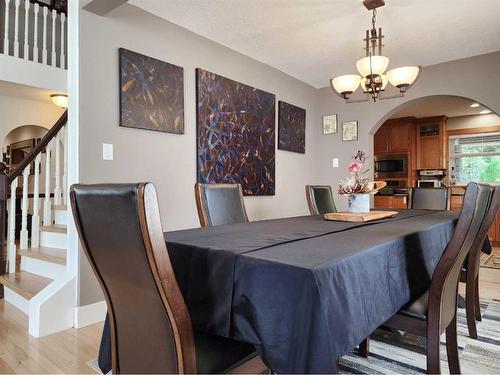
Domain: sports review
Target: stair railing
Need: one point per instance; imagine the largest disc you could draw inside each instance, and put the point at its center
(35, 31)
(49, 146)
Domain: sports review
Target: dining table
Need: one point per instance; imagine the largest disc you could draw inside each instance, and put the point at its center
(305, 291)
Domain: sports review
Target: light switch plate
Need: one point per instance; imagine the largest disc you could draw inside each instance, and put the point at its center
(335, 162)
(107, 151)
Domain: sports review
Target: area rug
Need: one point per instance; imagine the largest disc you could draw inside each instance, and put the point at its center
(405, 354)
(491, 261)
(393, 353)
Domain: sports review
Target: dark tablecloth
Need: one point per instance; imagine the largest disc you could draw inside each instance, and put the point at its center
(304, 290)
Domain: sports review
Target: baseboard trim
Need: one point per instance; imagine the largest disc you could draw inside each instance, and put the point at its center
(90, 314)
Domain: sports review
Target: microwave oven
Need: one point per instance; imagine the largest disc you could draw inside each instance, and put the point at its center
(429, 183)
(391, 166)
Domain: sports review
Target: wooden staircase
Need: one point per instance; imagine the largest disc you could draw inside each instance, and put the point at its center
(39, 257)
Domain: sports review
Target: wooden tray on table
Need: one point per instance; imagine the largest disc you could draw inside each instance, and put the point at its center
(360, 217)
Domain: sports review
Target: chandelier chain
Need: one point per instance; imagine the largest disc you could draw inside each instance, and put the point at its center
(374, 18)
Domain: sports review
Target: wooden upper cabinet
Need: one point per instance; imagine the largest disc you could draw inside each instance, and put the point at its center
(432, 145)
(394, 135)
(381, 141)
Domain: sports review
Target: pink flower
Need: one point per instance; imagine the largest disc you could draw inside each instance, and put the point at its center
(354, 167)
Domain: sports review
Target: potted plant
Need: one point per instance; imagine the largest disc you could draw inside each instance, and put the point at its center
(357, 187)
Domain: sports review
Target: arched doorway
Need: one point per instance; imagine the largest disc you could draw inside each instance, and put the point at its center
(19, 142)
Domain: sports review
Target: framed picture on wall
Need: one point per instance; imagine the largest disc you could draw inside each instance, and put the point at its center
(330, 124)
(350, 131)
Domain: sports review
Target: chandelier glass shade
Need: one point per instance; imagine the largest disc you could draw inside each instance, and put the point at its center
(373, 77)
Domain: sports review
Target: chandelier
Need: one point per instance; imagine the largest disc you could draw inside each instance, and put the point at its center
(373, 79)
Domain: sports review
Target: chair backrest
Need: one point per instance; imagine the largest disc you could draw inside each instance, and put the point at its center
(120, 231)
(444, 284)
(475, 253)
(429, 198)
(220, 204)
(320, 199)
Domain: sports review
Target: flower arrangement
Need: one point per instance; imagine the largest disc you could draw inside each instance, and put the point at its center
(356, 183)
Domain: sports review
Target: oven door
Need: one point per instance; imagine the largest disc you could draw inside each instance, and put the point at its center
(429, 183)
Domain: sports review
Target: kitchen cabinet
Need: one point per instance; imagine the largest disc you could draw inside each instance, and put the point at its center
(391, 201)
(432, 143)
(394, 135)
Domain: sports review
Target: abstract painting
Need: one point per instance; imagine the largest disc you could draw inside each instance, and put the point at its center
(151, 93)
(291, 128)
(235, 134)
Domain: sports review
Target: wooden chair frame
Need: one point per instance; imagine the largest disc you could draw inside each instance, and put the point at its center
(157, 254)
(439, 319)
(201, 204)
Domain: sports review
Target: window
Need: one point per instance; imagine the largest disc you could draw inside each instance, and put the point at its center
(475, 158)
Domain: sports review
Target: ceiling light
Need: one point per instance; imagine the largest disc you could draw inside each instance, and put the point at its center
(484, 112)
(475, 105)
(61, 100)
(372, 68)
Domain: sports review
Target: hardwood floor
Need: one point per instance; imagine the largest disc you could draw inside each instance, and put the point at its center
(69, 351)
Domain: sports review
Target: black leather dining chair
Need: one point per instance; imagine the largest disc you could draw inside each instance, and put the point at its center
(429, 198)
(220, 204)
(469, 273)
(120, 230)
(435, 311)
(320, 199)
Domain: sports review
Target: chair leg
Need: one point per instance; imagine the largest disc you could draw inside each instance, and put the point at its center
(478, 307)
(364, 347)
(433, 355)
(452, 347)
(470, 300)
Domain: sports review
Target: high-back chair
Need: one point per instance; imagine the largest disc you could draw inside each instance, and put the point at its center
(120, 231)
(436, 310)
(429, 198)
(470, 272)
(220, 204)
(320, 199)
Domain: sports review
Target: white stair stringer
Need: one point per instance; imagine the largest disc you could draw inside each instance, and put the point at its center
(52, 309)
(16, 300)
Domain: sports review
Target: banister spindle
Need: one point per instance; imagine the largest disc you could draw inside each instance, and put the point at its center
(65, 167)
(11, 228)
(26, 27)
(53, 56)
(35, 35)
(35, 219)
(23, 237)
(16, 28)
(62, 63)
(44, 48)
(47, 205)
(6, 30)
(57, 189)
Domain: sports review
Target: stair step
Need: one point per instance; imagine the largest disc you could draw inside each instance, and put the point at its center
(49, 254)
(54, 228)
(24, 283)
(60, 207)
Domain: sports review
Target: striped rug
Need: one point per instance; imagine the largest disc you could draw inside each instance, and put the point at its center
(405, 354)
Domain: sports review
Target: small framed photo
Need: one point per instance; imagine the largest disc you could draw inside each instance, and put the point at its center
(350, 131)
(330, 124)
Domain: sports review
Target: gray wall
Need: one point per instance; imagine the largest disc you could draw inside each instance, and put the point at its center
(169, 160)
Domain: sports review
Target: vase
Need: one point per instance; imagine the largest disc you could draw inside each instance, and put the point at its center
(358, 203)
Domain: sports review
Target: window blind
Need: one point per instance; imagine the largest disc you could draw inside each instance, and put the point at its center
(477, 144)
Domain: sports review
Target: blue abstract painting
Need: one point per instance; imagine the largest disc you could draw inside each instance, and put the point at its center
(151, 93)
(235, 134)
(291, 128)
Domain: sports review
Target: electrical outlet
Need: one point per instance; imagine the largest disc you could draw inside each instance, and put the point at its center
(335, 162)
(107, 151)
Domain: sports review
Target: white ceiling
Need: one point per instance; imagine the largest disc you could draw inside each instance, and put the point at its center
(451, 106)
(314, 40)
(25, 92)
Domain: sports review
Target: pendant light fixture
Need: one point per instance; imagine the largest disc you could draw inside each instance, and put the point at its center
(373, 77)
